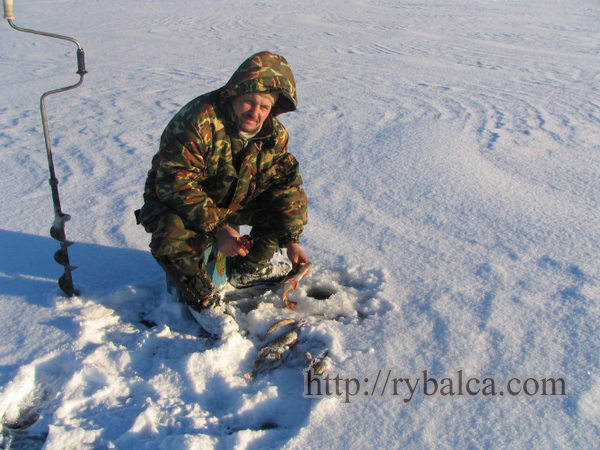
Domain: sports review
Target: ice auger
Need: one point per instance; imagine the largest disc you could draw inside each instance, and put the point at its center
(57, 231)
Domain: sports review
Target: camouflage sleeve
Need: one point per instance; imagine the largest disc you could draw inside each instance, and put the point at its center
(288, 199)
(179, 179)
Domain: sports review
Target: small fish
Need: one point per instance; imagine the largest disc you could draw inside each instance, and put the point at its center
(277, 325)
(286, 340)
(274, 353)
(270, 361)
(270, 352)
(291, 283)
(317, 365)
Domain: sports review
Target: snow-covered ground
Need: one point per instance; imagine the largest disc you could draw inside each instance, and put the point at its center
(450, 151)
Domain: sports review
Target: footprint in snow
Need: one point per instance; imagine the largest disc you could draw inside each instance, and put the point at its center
(26, 403)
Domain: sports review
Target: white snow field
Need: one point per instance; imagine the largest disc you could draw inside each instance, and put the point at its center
(450, 151)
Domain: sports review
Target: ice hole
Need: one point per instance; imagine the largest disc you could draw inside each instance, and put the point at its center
(320, 292)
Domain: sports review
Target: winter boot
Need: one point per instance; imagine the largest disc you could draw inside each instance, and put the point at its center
(243, 275)
(216, 318)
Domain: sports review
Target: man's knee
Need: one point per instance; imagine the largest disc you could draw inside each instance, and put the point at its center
(264, 246)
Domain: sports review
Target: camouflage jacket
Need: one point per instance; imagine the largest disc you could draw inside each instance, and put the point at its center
(205, 172)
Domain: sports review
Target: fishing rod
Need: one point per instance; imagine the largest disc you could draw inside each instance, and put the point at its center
(57, 231)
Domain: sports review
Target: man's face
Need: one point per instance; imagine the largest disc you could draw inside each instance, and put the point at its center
(252, 110)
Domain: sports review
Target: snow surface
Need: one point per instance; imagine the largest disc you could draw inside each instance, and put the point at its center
(450, 151)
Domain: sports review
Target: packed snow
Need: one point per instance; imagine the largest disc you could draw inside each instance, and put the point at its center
(450, 152)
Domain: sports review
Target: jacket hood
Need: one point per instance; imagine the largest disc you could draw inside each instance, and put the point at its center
(264, 72)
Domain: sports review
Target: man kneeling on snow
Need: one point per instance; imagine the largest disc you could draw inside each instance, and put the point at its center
(223, 162)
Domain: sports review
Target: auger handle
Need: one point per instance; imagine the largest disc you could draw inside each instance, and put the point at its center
(80, 61)
(8, 10)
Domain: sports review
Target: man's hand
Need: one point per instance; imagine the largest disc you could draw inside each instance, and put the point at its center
(296, 255)
(228, 240)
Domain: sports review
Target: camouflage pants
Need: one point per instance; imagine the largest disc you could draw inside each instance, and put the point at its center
(180, 252)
